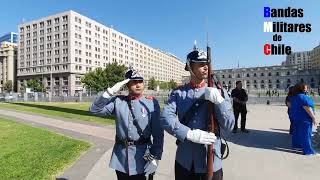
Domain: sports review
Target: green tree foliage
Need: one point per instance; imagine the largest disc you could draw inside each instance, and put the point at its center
(8, 86)
(35, 85)
(99, 79)
(172, 84)
(152, 84)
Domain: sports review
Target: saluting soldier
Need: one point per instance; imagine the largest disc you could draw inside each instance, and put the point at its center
(189, 103)
(135, 154)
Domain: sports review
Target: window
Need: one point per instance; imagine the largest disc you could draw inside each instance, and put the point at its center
(65, 27)
(65, 18)
(56, 36)
(56, 20)
(48, 22)
(65, 35)
(65, 43)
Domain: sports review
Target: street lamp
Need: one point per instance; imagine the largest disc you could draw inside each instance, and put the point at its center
(51, 81)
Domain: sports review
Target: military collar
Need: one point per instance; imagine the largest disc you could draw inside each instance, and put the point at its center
(194, 85)
(134, 97)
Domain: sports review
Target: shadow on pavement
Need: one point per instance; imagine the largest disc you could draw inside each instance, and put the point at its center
(55, 108)
(283, 130)
(277, 141)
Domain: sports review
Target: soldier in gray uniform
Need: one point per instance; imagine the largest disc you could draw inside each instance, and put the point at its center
(139, 136)
(185, 117)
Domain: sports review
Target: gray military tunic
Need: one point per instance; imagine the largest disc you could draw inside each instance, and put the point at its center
(189, 153)
(147, 111)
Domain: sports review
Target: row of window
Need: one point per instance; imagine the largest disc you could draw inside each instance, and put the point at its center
(255, 75)
(41, 24)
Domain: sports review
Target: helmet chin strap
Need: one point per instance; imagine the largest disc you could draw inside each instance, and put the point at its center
(191, 72)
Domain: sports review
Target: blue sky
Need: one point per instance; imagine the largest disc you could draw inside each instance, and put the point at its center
(235, 27)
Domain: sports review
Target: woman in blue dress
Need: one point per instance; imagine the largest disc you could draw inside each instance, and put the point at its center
(302, 117)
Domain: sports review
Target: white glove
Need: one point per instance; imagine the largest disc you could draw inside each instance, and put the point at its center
(151, 167)
(201, 137)
(116, 88)
(212, 94)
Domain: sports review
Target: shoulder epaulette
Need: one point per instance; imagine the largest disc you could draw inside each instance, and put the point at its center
(150, 97)
(122, 97)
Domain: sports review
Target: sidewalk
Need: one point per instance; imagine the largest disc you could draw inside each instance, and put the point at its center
(100, 137)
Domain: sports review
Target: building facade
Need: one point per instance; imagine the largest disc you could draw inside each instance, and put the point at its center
(266, 78)
(269, 77)
(315, 57)
(10, 37)
(8, 67)
(300, 59)
(68, 45)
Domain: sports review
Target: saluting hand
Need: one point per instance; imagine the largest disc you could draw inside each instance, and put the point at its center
(116, 88)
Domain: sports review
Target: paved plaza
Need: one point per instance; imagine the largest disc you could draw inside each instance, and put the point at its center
(264, 153)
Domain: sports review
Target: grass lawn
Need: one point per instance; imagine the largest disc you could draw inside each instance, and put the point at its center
(32, 153)
(76, 111)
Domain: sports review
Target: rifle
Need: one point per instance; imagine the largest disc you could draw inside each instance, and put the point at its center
(210, 156)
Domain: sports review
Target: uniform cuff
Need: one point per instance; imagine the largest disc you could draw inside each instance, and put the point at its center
(181, 131)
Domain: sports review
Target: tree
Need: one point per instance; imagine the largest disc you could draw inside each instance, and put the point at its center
(152, 83)
(99, 79)
(172, 84)
(8, 86)
(36, 85)
(164, 85)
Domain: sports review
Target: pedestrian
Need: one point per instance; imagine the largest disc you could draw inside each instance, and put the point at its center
(135, 156)
(189, 104)
(287, 101)
(302, 115)
(240, 99)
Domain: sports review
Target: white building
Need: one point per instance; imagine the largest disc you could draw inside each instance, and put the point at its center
(8, 60)
(269, 77)
(68, 45)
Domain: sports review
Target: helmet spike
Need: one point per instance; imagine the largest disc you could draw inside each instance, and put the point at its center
(195, 45)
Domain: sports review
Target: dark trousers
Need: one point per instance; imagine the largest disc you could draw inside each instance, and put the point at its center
(183, 174)
(243, 111)
(124, 176)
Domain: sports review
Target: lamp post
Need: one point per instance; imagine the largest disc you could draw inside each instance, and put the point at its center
(51, 81)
